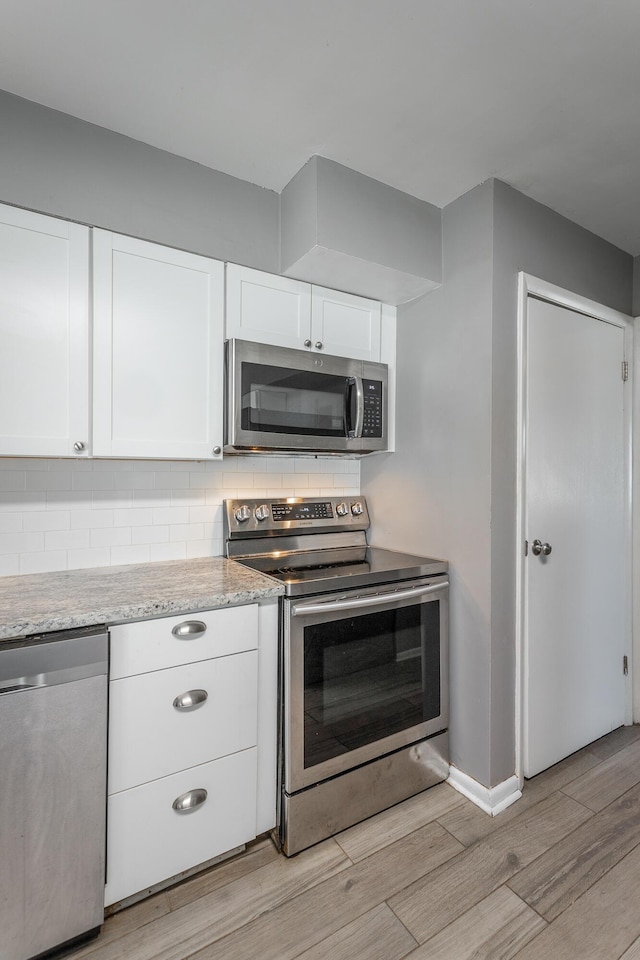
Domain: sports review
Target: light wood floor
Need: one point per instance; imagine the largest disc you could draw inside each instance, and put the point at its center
(557, 876)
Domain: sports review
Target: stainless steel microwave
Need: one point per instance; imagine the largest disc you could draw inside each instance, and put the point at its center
(293, 401)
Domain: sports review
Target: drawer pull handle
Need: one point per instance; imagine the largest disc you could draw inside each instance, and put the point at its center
(189, 629)
(190, 800)
(190, 699)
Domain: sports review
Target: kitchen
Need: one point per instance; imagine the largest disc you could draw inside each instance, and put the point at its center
(112, 512)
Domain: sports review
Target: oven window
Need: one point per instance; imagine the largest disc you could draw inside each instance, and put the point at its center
(367, 677)
(278, 400)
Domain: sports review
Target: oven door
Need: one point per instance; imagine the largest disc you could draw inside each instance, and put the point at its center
(365, 673)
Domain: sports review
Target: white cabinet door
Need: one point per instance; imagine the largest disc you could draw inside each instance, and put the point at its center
(345, 325)
(158, 351)
(289, 313)
(44, 329)
(267, 309)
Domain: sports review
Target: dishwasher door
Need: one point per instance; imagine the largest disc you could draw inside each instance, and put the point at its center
(53, 750)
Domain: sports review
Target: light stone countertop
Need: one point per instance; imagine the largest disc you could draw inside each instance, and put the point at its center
(43, 602)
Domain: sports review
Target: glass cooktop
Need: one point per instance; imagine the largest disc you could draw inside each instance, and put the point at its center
(321, 571)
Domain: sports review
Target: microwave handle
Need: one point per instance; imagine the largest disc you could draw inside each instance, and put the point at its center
(354, 424)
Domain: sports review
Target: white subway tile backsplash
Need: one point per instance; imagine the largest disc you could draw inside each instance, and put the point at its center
(67, 539)
(295, 480)
(203, 548)
(133, 517)
(150, 534)
(43, 562)
(110, 537)
(151, 498)
(112, 498)
(74, 499)
(65, 514)
(96, 557)
(11, 522)
(187, 498)
(10, 564)
(176, 481)
(187, 531)
(138, 480)
(93, 481)
(21, 542)
(171, 515)
(21, 501)
(47, 520)
(203, 514)
(12, 480)
(92, 519)
(48, 480)
(138, 553)
(167, 551)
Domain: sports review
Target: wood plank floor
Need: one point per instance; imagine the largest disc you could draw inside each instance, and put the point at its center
(557, 876)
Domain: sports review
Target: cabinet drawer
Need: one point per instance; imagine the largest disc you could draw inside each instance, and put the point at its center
(148, 841)
(150, 737)
(171, 641)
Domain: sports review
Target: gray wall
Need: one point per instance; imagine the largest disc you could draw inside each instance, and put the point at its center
(433, 495)
(529, 237)
(59, 165)
(455, 465)
(636, 287)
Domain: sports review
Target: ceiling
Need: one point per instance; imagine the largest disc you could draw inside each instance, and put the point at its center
(430, 96)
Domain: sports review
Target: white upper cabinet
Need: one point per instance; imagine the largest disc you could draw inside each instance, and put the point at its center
(345, 325)
(44, 335)
(289, 313)
(266, 308)
(158, 318)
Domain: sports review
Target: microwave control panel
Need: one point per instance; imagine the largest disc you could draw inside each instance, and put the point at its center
(372, 420)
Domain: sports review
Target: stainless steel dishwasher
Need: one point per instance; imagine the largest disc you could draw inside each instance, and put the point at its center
(53, 754)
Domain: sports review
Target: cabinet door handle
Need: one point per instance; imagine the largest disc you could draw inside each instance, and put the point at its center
(190, 800)
(190, 699)
(189, 629)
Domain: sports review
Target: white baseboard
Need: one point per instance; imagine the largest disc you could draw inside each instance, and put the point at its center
(493, 800)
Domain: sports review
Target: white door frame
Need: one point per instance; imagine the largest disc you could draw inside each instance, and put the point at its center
(533, 286)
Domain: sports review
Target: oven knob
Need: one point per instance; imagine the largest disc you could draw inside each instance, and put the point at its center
(243, 513)
(342, 509)
(357, 508)
(262, 512)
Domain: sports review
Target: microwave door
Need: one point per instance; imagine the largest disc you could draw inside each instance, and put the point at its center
(288, 408)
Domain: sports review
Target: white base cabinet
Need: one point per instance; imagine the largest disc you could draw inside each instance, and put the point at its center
(184, 744)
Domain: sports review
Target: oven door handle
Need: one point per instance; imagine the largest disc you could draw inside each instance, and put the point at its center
(357, 603)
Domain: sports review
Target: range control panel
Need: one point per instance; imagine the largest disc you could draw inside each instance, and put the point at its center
(265, 518)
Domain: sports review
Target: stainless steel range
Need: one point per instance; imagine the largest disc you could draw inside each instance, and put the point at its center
(364, 661)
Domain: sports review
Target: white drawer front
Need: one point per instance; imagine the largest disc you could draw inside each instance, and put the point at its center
(171, 641)
(148, 841)
(149, 737)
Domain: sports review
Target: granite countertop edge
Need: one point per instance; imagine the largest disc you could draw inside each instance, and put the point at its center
(63, 600)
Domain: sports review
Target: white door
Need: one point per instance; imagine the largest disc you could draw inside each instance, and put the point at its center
(574, 688)
(158, 351)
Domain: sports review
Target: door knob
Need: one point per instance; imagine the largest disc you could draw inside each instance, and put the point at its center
(538, 547)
